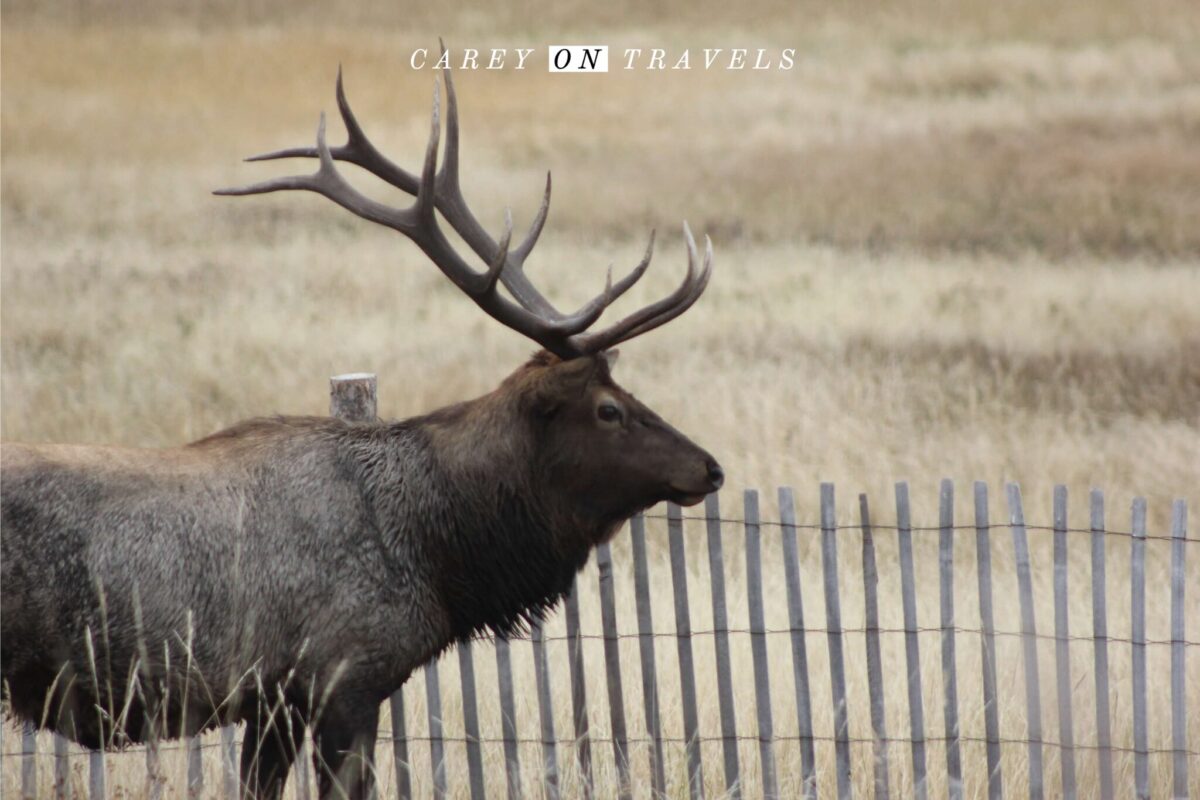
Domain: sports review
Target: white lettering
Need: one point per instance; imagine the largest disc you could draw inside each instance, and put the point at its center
(470, 56)
(758, 60)
(710, 55)
(630, 54)
(497, 59)
(682, 63)
(787, 59)
(737, 58)
(522, 54)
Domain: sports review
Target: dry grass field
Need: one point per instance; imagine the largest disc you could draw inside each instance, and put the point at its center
(955, 240)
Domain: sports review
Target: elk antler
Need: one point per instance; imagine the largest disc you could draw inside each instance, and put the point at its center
(566, 335)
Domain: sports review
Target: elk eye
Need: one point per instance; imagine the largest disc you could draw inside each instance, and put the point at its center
(607, 412)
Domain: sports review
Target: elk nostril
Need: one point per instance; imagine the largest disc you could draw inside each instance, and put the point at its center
(715, 474)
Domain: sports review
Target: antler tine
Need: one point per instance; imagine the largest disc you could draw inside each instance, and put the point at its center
(358, 149)
(637, 272)
(427, 190)
(327, 181)
(535, 229)
(652, 316)
(496, 268)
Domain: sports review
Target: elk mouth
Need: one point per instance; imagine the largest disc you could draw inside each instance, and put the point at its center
(715, 479)
(684, 498)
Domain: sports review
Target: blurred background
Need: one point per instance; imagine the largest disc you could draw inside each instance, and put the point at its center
(957, 239)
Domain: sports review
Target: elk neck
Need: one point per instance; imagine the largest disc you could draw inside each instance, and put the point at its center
(461, 494)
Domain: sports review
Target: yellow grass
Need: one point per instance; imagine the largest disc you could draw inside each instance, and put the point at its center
(953, 241)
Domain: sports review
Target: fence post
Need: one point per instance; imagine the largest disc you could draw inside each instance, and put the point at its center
(62, 768)
(400, 747)
(541, 673)
(949, 672)
(29, 779)
(579, 710)
(791, 573)
(833, 618)
(612, 665)
(97, 789)
(758, 645)
(1137, 621)
(470, 708)
(1178, 651)
(1062, 653)
(716, 572)
(1100, 647)
(229, 767)
(353, 398)
(987, 641)
(1033, 705)
(508, 719)
(645, 624)
(912, 645)
(195, 768)
(874, 661)
(683, 642)
(433, 711)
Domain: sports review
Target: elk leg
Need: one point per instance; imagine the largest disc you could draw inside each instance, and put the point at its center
(345, 750)
(268, 750)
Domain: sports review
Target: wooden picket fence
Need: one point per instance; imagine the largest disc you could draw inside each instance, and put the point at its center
(885, 746)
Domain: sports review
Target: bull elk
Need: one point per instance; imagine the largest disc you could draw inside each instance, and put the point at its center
(292, 572)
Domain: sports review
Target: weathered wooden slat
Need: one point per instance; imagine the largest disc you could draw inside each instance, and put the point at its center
(400, 747)
(29, 779)
(579, 709)
(716, 572)
(1033, 705)
(1178, 651)
(1137, 622)
(97, 778)
(1100, 647)
(229, 767)
(541, 674)
(683, 643)
(62, 768)
(433, 710)
(791, 572)
(645, 623)
(987, 642)
(1062, 653)
(758, 645)
(874, 660)
(470, 705)
(195, 767)
(954, 787)
(912, 646)
(612, 667)
(352, 397)
(508, 719)
(833, 623)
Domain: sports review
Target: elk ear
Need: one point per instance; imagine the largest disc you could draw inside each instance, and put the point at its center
(561, 382)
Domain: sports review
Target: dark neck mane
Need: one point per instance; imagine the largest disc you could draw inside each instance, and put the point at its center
(464, 506)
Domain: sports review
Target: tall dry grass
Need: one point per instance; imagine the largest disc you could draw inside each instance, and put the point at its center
(956, 240)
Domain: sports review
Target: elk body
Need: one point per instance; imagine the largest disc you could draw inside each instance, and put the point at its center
(293, 572)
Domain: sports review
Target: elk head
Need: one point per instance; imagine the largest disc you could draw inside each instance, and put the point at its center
(608, 452)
